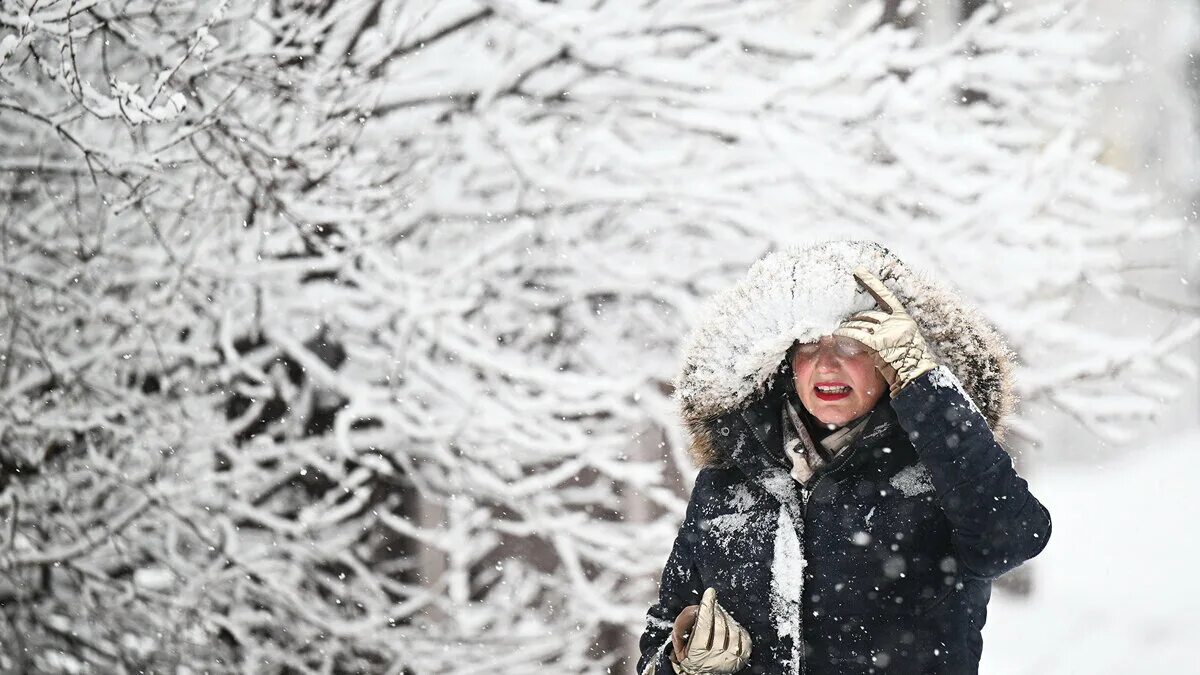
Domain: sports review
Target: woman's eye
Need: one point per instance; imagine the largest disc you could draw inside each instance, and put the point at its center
(843, 348)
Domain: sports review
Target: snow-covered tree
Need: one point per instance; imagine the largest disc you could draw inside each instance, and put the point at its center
(338, 336)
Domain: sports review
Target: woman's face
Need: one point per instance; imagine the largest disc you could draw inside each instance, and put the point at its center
(836, 379)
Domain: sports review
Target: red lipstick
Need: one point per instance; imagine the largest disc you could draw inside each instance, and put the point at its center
(831, 391)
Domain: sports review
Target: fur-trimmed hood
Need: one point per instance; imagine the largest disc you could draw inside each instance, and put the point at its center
(804, 292)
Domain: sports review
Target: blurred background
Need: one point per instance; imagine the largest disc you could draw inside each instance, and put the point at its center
(338, 336)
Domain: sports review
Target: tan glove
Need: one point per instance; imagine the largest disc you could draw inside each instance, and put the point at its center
(901, 354)
(717, 644)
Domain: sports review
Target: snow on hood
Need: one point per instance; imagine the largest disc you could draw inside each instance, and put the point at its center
(804, 292)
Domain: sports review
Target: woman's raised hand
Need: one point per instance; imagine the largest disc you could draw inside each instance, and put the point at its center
(901, 354)
(716, 644)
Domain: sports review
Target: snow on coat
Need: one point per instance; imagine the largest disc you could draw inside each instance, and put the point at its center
(884, 563)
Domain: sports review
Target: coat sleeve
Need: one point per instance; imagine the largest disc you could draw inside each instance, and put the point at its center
(997, 523)
(680, 587)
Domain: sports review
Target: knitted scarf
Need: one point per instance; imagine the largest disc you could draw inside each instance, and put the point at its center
(809, 457)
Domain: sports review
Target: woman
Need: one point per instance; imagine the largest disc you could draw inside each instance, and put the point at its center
(853, 504)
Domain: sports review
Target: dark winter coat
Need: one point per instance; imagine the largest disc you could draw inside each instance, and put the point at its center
(884, 563)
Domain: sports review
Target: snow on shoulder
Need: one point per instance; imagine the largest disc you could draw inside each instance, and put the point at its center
(913, 480)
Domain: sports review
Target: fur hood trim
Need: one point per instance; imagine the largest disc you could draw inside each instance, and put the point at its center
(804, 292)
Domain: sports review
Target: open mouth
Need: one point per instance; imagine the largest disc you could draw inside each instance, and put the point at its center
(831, 391)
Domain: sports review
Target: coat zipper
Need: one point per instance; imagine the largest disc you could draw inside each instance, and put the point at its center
(804, 495)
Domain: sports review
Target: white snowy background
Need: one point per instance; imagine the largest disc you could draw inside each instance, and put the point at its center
(338, 335)
(1115, 591)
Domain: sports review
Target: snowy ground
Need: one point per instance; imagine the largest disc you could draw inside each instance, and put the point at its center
(1118, 588)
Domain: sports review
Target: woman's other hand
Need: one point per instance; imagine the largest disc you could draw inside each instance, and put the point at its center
(706, 639)
(901, 354)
